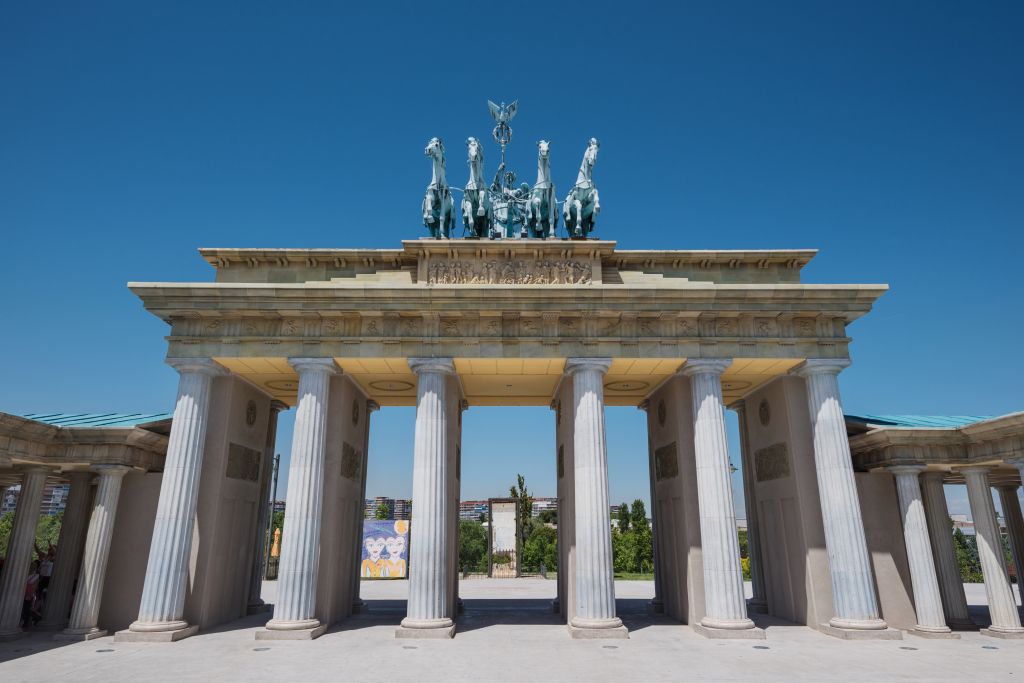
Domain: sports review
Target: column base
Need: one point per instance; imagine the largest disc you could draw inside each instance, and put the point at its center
(292, 634)
(462, 607)
(52, 626)
(590, 629)
(129, 636)
(655, 606)
(74, 637)
(962, 624)
(360, 607)
(934, 634)
(556, 607)
(758, 605)
(258, 609)
(861, 634)
(440, 633)
(13, 635)
(729, 633)
(1004, 635)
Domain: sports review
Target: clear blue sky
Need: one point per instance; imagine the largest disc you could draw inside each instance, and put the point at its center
(888, 135)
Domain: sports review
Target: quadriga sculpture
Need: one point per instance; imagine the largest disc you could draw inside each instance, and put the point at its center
(582, 202)
(542, 207)
(477, 213)
(438, 207)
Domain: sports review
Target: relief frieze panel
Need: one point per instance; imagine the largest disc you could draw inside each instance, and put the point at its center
(510, 272)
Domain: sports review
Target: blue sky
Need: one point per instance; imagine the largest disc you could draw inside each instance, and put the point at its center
(886, 135)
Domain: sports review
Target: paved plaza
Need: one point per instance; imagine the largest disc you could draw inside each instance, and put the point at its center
(509, 634)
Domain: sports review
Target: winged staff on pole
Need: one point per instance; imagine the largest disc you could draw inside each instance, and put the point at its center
(502, 210)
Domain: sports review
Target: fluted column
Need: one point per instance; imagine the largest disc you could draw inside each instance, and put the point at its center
(595, 573)
(1014, 524)
(19, 552)
(86, 612)
(1002, 607)
(428, 584)
(358, 606)
(259, 545)
(853, 585)
(927, 599)
(725, 605)
(759, 601)
(658, 603)
(163, 594)
(69, 551)
(947, 569)
(300, 547)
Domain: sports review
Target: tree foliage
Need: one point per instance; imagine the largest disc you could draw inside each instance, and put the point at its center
(622, 517)
(382, 512)
(548, 517)
(472, 545)
(744, 545)
(525, 500)
(638, 516)
(633, 551)
(541, 548)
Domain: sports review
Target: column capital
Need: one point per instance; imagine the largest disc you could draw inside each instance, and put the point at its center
(200, 366)
(36, 469)
(463, 405)
(277, 406)
(933, 475)
(575, 366)
(645, 405)
(326, 366)
(973, 469)
(705, 366)
(906, 469)
(1015, 462)
(821, 366)
(112, 470)
(1006, 487)
(420, 366)
(737, 405)
(372, 406)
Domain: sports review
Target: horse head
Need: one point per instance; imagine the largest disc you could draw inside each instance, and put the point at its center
(545, 148)
(476, 152)
(435, 149)
(592, 147)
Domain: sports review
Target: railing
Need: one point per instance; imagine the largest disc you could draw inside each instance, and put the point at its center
(272, 565)
(508, 571)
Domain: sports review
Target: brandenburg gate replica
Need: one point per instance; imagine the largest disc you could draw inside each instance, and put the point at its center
(513, 315)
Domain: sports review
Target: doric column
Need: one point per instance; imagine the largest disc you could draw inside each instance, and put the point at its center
(358, 606)
(595, 574)
(853, 585)
(163, 594)
(725, 605)
(428, 599)
(86, 612)
(262, 522)
(1014, 524)
(927, 600)
(759, 601)
(19, 552)
(658, 603)
(69, 555)
(300, 547)
(947, 570)
(1002, 607)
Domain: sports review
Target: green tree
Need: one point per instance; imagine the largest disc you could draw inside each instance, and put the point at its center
(541, 548)
(548, 517)
(483, 517)
(967, 557)
(638, 516)
(6, 524)
(525, 500)
(48, 531)
(382, 512)
(277, 523)
(623, 518)
(472, 545)
(744, 544)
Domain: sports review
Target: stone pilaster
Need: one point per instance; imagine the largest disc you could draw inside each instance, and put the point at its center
(853, 585)
(1002, 607)
(163, 594)
(19, 552)
(725, 605)
(86, 612)
(69, 556)
(428, 586)
(931, 622)
(295, 608)
(256, 605)
(657, 605)
(947, 570)
(595, 575)
(759, 601)
(1014, 525)
(358, 606)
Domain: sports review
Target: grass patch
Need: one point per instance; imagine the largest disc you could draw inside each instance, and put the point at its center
(628, 576)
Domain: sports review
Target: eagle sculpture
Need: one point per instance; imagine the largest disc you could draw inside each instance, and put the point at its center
(502, 114)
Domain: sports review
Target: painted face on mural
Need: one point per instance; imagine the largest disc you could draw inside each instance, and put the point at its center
(396, 547)
(374, 547)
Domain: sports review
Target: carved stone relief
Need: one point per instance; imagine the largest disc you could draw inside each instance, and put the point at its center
(666, 462)
(243, 463)
(561, 461)
(250, 413)
(772, 462)
(764, 412)
(534, 272)
(661, 412)
(355, 412)
(351, 462)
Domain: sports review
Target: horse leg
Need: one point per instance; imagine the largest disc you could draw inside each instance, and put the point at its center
(480, 211)
(579, 217)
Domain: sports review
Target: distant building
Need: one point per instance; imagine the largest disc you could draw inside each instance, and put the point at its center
(9, 502)
(472, 509)
(278, 506)
(55, 499)
(397, 508)
(542, 504)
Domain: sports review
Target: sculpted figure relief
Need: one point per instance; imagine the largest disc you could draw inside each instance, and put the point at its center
(510, 273)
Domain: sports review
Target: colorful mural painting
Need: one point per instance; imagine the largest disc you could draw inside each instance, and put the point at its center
(385, 543)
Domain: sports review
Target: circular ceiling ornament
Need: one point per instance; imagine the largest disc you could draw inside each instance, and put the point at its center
(392, 385)
(626, 386)
(662, 412)
(764, 412)
(734, 385)
(355, 412)
(250, 413)
(290, 386)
